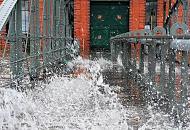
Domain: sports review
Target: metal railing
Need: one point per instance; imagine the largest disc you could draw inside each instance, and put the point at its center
(30, 53)
(149, 58)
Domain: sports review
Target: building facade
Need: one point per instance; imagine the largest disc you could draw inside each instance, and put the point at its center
(141, 14)
(95, 21)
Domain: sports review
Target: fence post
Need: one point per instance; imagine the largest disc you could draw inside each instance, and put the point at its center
(184, 75)
(20, 70)
(62, 30)
(16, 48)
(124, 55)
(112, 48)
(12, 40)
(161, 42)
(171, 83)
(47, 33)
(56, 14)
(141, 66)
(163, 66)
(151, 69)
(34, 39)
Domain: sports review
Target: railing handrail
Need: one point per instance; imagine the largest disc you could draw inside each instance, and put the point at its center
(187, 36)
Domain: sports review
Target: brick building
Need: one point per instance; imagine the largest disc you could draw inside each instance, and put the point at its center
(95, 21)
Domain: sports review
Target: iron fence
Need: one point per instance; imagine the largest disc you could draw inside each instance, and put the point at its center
(159, 62)
(33, 41)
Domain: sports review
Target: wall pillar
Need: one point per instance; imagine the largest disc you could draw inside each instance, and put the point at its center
(81, 25)
(137, 14)
(160, 13)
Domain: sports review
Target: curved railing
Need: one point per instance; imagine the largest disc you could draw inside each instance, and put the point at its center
(149, 58)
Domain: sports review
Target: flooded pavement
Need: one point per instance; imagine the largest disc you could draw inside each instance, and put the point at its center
(129, 94)
(97, 96)
(115, 75)
(132, 95)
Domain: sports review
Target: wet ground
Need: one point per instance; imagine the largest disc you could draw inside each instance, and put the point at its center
(131, 94)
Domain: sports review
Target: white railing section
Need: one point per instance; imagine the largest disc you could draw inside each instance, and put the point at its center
(5, 10)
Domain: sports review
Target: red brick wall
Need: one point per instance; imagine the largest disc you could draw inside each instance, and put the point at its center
(81, 25)
(160, 11)
(137, 14)
(2, 38)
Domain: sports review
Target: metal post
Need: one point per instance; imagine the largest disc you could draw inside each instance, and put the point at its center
(182, 107)
(135, 58)
(12, 40)
(141, 66)
(184, 76)
(151, 69)
(112, 47)
(171, 83)
(163, 66)
(18, 45)
(129, 55)
(62, 34)
(68, 32)
(68, 27)
(56, 15)
(47, 33)
(152, 62)
(124, 56)
(34, 39)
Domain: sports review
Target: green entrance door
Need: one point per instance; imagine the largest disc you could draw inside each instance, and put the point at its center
(107, 19)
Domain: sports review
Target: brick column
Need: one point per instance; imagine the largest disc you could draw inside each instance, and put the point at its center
(137, 14)
(137, 19)
(81, 25)
(160, 13)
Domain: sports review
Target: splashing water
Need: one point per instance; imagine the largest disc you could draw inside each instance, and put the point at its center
(82, 102)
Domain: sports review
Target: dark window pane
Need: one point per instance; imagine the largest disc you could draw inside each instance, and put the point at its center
(25, 16)
(151, 13)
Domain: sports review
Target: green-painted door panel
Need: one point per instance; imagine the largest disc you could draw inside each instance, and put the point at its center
(100, 37)
(108, 19)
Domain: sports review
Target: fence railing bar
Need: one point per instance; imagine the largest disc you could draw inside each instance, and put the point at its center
(28, 57)
(172, 37)
(11, 81)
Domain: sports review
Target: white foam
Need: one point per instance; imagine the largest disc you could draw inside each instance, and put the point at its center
(69, 103)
